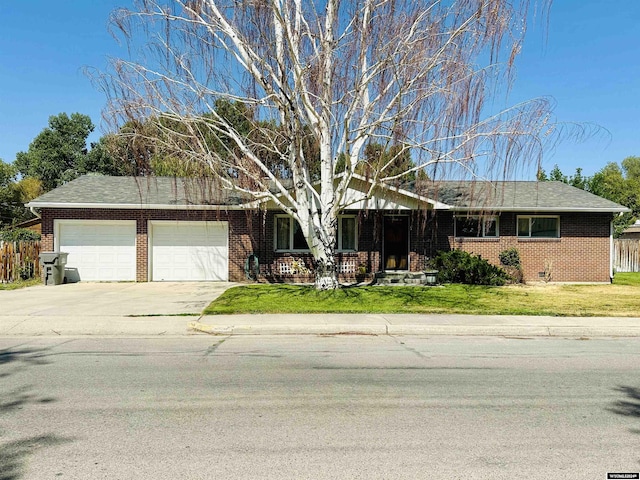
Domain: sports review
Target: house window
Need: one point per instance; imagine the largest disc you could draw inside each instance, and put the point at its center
(289, 236)
(476, 226)
(347, 233)
(538, 227)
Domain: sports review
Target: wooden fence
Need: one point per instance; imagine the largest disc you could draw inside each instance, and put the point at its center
(19, 260)
(626, 255)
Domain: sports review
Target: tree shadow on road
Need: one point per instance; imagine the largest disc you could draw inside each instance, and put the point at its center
(14, 361)
(29, 356)
(629, 406)
(15, 452)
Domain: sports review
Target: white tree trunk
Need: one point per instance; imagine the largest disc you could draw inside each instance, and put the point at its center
(340, 73)
(326, 270)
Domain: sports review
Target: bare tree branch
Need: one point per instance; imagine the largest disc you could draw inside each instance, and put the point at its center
(415, 76)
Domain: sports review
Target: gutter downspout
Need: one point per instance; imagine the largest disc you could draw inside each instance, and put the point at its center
(33, 210)
(611, 250)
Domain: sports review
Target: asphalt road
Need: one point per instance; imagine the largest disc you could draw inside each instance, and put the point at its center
(318, 407)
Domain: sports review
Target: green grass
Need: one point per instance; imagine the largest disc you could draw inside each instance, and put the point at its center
(620, 299)
(630, 279)
(20, 284)
(163, 315)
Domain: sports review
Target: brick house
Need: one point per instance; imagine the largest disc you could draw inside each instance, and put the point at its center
(155, 229)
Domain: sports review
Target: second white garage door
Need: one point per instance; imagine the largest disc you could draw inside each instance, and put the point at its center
(189, 251)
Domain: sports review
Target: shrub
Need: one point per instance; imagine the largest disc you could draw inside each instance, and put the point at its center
(457, 266)
(19, 235)
(510, 257)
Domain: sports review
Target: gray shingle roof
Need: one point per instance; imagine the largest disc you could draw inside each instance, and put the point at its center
(141, 191)
(518, 195)
(159, 192)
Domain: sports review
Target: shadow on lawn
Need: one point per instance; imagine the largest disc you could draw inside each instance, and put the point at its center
(14, 453)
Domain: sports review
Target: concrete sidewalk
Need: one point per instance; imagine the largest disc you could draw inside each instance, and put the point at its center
(47, 326)
(320, 324)
(152, 309)
(404, 324)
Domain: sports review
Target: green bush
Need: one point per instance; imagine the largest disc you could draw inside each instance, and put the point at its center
(19, 235)
(457, 266)
(510, 257)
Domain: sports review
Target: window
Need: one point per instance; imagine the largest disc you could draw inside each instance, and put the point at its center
(476, 226)
(347, 233)
(539, 227)
(288, 234)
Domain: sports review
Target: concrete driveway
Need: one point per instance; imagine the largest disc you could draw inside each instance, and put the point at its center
(86, 299)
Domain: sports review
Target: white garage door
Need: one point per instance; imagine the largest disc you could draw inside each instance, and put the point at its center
(183, 251)
(99, 250)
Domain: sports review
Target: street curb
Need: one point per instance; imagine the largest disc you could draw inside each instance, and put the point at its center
(288, 329)
(454, 330)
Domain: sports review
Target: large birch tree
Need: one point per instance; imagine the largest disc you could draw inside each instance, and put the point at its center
(415, 75)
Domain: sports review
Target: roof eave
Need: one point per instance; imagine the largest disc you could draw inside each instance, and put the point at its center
(133, 206)
(543, 209)
(420, 198)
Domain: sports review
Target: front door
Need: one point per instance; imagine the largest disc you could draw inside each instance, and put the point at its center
(395, 248)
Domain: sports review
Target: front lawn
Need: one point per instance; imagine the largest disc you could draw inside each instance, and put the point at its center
(620, 299)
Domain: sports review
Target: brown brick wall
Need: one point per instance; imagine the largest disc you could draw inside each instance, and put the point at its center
(369, 254)
(240, 244)
(581, 254)
(264, 246)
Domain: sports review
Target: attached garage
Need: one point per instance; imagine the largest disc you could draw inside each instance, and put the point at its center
(99, 250)
(188, 251)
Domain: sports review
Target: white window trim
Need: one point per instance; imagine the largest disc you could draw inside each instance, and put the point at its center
(530, 217)
(275, 235)
(478, 217)
(339, 234)
(306, 250)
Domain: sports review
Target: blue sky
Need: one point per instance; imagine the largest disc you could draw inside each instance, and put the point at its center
(587, 59)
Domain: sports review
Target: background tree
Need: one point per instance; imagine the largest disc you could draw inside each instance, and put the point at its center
(7, 193)
(556, 175)
(14, 194)
(621, 185)
(394, 160)
(100, 159)
(618, 183)
(541, 175)
(57, 153)
(333, 75)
